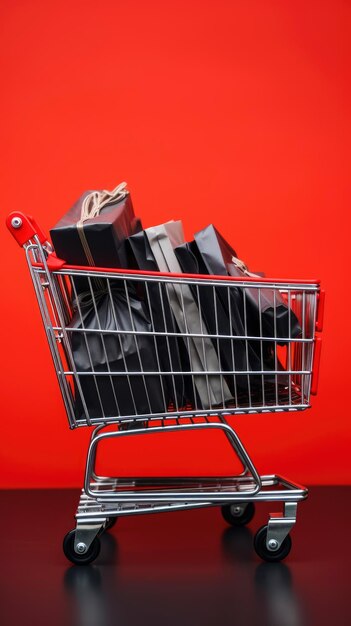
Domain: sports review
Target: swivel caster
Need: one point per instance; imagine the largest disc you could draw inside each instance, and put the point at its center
(274, 552)
(83, 555)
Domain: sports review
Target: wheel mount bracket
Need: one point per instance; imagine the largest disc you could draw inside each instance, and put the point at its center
(279, 526)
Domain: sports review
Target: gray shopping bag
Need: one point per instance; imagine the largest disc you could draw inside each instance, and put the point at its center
(212, 389)
(169, 348)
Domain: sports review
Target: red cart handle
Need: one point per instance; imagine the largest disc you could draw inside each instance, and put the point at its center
(24, 227)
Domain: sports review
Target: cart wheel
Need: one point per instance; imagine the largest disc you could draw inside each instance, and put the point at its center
(110, 522)
(264, 552)
(237, 515)
(80, 558)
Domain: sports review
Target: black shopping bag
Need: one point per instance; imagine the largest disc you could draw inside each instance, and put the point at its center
(222, 309)
(240, 311)
(94, 230)
(113, 308)
(170, 350)
(265, 308)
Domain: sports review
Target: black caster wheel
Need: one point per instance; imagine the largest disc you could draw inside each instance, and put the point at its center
(237, 514)
(83, 558)
(271, 555)
(110, 523)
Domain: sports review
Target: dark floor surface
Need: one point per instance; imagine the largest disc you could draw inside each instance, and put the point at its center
(180, 568)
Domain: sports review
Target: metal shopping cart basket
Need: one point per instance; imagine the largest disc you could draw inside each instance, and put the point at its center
(286, 386)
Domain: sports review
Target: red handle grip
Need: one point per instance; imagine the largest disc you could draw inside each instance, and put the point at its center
(316, 362)
(24, 227)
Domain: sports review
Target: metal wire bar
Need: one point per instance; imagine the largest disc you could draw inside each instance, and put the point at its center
(120, 344)
(91, 372)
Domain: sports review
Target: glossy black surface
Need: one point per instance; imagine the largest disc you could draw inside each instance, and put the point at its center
(174, 568)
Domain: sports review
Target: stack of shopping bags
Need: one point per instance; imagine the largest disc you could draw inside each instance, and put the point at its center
(145, 328)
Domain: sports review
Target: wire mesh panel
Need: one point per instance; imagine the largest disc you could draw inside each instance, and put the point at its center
(145, 345)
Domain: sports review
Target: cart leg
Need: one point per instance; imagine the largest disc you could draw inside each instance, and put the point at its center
(120, 496)
(245, 471)
(279, 526)
(85, 534)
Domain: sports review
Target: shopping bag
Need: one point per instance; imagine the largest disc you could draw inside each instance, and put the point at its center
(168, 348)
(267, 311)
(114, 308)
(236, 311)
(215, 302)
(211, 389)
(94, 230)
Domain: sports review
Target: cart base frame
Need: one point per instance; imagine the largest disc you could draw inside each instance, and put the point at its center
(105, 498)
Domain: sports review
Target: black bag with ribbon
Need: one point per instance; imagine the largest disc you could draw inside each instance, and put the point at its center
(94, 230)
(100, 357)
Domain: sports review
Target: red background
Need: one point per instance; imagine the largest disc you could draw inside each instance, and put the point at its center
(229, 112)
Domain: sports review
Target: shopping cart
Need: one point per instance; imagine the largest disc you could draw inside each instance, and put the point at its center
(286, 386)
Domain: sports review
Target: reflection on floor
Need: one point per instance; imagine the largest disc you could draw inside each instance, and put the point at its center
(174, 568)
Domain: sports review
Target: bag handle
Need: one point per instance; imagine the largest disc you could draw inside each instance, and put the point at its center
(243, 268)
(95, 201)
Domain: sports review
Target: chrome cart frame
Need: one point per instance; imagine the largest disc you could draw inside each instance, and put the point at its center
(293, 377)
